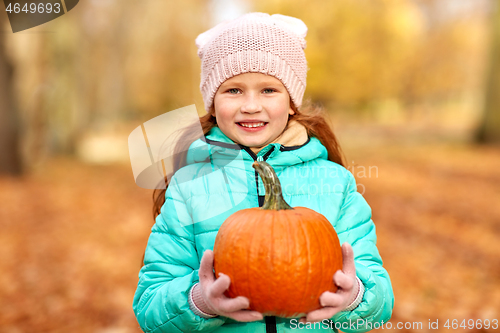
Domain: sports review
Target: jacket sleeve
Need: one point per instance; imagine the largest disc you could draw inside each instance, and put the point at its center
(356, 227)
(170, 270)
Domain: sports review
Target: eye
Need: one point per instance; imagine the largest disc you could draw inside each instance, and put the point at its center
(269, 90)
(233, 91)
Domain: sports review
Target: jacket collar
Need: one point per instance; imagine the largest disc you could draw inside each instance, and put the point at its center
(295, 134)
(293, 146)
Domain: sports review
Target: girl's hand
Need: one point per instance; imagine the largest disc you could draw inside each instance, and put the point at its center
(346, 293)
(212, 292)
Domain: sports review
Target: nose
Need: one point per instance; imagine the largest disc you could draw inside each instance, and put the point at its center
(251, 104)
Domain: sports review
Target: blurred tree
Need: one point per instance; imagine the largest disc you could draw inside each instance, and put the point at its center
(104, 64)
(364, 52)
(162, 66)
(489, 129)
(10, 157)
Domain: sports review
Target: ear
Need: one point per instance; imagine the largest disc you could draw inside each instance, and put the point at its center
(291, 112)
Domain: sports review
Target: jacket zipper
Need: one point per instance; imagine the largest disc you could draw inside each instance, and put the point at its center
(270, 320)
(258, 158)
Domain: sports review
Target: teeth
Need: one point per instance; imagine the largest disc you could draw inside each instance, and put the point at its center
(252, 124)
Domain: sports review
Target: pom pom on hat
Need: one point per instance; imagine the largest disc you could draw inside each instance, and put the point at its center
(254, 42)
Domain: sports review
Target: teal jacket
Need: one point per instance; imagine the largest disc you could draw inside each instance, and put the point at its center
(218, 181)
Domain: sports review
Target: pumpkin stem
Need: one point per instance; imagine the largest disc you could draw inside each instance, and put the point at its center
(274, 198)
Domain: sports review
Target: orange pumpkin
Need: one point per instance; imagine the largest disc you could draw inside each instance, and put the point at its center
(281, 258)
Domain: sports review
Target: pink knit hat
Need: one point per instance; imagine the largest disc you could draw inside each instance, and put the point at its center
(255, 42)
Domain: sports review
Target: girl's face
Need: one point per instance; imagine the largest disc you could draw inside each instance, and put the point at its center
(252, 109)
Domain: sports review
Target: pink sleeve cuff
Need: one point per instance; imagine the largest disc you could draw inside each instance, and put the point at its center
(197, 304)
(359, 297)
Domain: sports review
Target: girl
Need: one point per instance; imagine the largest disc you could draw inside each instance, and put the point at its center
(253, 80)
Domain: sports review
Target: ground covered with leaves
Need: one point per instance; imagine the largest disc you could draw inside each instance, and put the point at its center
(73, 236)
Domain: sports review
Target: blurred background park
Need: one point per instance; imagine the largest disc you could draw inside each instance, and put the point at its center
(412, 88)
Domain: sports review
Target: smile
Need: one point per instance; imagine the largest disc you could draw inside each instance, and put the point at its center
(252, 125)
